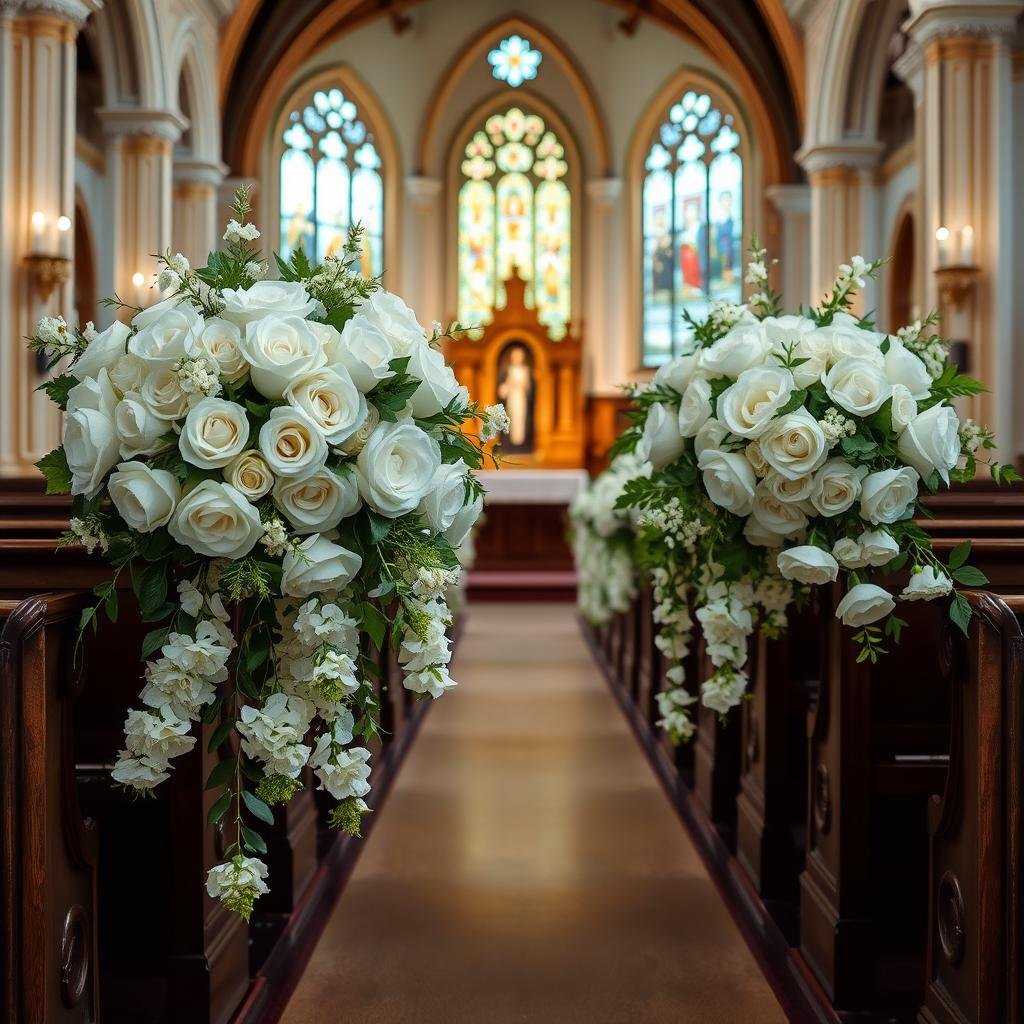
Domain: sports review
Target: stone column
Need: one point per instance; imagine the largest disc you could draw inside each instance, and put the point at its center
(841, 178)
(793, 203)
(425, 254)
(195, 214)
(37, 173)
(140, 158)
(611, 351)
(967, 122)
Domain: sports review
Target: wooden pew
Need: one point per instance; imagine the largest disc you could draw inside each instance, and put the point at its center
(48, 852)
(975, 918)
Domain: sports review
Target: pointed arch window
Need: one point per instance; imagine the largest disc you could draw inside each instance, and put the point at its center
(515, 214)
(331, 176)
(692, 227)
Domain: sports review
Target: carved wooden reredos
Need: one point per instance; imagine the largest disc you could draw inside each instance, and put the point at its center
(558, 427)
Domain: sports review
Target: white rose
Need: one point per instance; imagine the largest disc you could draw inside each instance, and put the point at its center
(127, 374)
(103, 352)
(888, 495)
(280, 349)
(317, 503)
(903, 408)
(848, 553)
(744, 346)
(397, 467)
(931, 442)
(144, 497)
(138, 430)
(808, 564)
(217, 521)
(755, 533)
(864, 604)
(162, 393)
(387, 312)
(783, 489)
(220, 341)
(464, 521)
(695, 407)
(438, 384)
(781, 517)
(710, 435)
(292, 443)
(249, 474)
(788, 335)
(729, 480)
(846, 339)
(93, 393)
(162, 340)
(267, 298)
(794, 445)
(857, 385)
(331, 401)
(443, 502)
(365, 352)
(746, 406)
(877, 547)
(318, 565)
(661, 443)
(904, 367)
(215, 431)
(678, 372)
(927, 585)
(90, 439)
(815, 348)
(836, 486)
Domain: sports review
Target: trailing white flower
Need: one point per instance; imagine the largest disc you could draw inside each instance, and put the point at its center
(238, 884)
(236, 232)
(495, 422)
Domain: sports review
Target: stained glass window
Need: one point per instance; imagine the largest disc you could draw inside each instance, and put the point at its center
(515, 214)
(331, 179)
(692, 222)
(514, 61)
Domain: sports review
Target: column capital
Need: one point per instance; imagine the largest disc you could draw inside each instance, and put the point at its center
(790, 198)
(199, 172)
(848, 156)
(154, 124)
(422, 190)
(604, 192)
(908, 68)
(931, 20)
(74, 12)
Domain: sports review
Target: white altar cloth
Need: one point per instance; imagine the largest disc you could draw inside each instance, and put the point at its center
(532, 486)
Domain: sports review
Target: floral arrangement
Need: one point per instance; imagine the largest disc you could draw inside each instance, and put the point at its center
(282, 470)
(786, 451)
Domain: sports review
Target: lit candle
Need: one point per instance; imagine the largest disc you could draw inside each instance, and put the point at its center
(64, 236)
(967, 245)
(138, 280)
(942, 241)
(38, 225)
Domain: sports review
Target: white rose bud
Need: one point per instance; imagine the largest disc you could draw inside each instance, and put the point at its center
(280, 349)
(783, 489)
(661, 443)
(443, 502)
(397, 466)
(847, 340)
(781, 517)
(848, 553)
(249, 474)
(877, 547)
(857, 385)
(90, 439)
(331, 401)
(316, 566)
(145, 498)
(729, 480)
(395, 319)
(710, 435)
(317, 503)
(927, 585)
(678, 372)
(794, 445)
(161, 340)
(267, 298)
(746, 406)
(755, 533)
(932, 442)
(215, 520)
(864, 604)
(292, 443)
(808, 564)
(138, 430)
(103, 352)
(215, 431)
(128, 374)
(905, 368)
(365, 352)
(220, 341)
(904, 407)
(695, 407)
(888, 495)
(438, 385)
(836, 487)
(464, 521)
(744, 346)
(162, 393)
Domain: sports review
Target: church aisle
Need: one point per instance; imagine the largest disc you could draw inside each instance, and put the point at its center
(527, 866)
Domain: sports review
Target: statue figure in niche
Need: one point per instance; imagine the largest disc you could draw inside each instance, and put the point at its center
(515, 389)
(691, 251)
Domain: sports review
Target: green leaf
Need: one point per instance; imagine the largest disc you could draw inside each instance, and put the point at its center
(253, 841)
(960, 613)
(374, 623)
(220, 734)
(219, 808)
(57, 388)
(258, 807)
(968, 576)
(959, 554)
(154, 640)
(54, 468)
(221, 773)
(796, 401)
(380, 526)
(151, 589)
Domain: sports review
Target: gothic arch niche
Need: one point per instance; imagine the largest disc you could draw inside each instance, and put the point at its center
(903, 305)
(338, 138)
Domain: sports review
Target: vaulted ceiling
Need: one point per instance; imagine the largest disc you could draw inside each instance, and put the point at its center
(751, 37)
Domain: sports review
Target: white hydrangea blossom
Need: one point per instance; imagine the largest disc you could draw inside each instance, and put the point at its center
(425, 649)
(237, 232)
(272, 734)
(495, 422)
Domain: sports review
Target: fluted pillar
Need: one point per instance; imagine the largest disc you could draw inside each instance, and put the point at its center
(195, 209)
(611, 337)
(967, 136)
(37, 154)
(423, 256)
(793, 203)
(140, 158)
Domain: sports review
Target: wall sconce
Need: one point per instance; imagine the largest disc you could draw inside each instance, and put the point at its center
(957, 279)
(49, 270)
(138, 280)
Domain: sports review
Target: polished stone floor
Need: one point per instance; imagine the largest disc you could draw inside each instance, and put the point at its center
(527, 866)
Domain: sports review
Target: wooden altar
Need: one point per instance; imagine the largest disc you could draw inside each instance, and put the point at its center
(550, 397)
